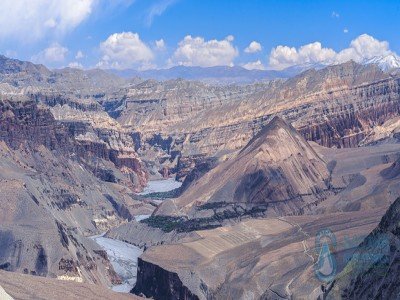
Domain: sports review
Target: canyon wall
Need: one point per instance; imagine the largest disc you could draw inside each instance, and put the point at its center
(57, 190)
(186, 122)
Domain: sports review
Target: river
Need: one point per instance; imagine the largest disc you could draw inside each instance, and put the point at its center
(163, 185)
(124, 256)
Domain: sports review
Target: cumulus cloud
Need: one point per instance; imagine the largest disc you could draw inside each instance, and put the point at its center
(195, 51)
(253, 47)
(254, 65)
(160, 45)
(125, 50)
(283, 57)
(345, 30)
(31, 20)
(335, 15)
(55, 53)
(362, 48)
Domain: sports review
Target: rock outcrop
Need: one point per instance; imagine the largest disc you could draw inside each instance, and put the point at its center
(156, 282)
(89, 133)
(371, 272)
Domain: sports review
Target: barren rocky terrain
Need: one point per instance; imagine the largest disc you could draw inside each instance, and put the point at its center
(185, 122)
(265, 168)
(242, 259)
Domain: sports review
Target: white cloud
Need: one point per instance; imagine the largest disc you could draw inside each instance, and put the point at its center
(230, 38)
(253, 47)
(158, 9)
(160, 45)
(55, 53)
(195, 51)
(345, 30)
(125, 50)
(254, 65)
(33, 19)
(362, 48)
(335, 15)
(283, 57)
(75, 65)
(79, 55)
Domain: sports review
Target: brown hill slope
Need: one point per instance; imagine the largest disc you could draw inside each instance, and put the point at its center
(277, 170)
(21, 286)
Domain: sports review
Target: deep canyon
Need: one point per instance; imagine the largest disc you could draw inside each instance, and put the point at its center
(224, 188)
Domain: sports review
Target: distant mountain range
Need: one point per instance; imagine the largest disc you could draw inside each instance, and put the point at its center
(219, 74)
(240, 75)
(18, 73)
(21, 73)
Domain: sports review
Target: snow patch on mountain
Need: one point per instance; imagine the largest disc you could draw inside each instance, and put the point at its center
(388, 62)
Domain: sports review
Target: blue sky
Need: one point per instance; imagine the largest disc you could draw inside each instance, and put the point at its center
(145, 34)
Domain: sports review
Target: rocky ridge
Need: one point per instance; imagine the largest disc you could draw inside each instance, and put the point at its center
(55, 198)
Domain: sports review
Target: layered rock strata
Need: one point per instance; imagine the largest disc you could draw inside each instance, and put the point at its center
(337, 106)
(51, 200)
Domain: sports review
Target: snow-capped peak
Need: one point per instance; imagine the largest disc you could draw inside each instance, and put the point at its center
(390, 61)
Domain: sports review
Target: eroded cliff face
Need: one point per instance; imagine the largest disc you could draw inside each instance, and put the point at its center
(96, 135)
(347, 125)
(52, 197)
(23, 122)
(184, 121)
(158, 283)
